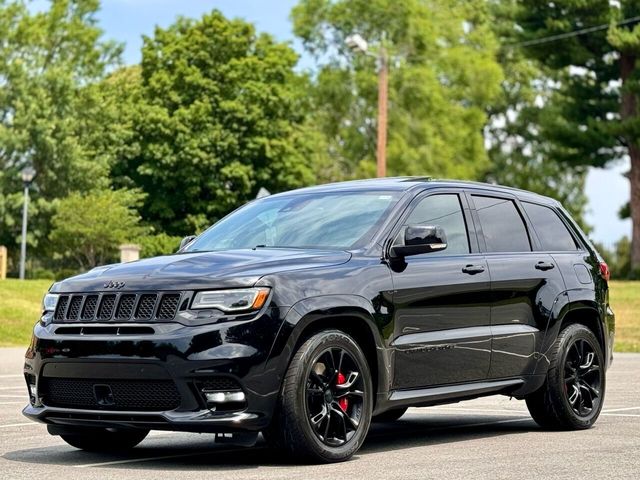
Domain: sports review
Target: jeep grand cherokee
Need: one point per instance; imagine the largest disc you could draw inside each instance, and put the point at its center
(309, 314)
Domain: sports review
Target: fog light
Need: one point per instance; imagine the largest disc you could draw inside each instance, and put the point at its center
(224, 397)
(33, 393)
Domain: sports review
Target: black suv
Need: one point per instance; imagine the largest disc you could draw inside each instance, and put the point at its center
(309, 314)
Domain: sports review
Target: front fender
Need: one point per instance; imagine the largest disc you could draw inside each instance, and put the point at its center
(331, 310)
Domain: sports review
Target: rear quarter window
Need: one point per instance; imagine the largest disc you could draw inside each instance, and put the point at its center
(552, 232)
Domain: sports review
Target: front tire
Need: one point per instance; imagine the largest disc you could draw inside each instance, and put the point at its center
(326, 400)
(105, 440)
(573, 393)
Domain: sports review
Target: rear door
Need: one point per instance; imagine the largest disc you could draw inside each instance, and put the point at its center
(441, 306)
(556, 238)
(524, 283)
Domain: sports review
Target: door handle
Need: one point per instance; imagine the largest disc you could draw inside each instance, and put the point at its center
(544, 266)
(473, 269)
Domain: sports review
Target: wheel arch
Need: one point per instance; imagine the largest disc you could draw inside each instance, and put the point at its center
(586, 313)
(350, 314)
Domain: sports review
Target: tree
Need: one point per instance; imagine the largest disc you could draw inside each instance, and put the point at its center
(593, 117)
(88, 228)
(521, 156)
(443, 74)
(218, 113)
(51, 113)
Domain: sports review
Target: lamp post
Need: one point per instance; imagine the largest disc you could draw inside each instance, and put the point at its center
(358, 44)
(27, 174)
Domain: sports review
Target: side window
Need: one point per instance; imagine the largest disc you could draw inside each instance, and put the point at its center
(502, 225)
(552, 232)
(443, 210)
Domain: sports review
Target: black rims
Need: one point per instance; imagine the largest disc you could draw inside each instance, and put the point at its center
(583, 378)
(335, 395)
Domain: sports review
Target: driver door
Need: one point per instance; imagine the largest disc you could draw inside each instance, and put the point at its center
(442, 324)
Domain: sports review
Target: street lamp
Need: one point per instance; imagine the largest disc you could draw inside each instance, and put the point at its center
(358, 44)
(27, 174)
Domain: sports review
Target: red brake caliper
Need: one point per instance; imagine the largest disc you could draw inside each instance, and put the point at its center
(343, 402)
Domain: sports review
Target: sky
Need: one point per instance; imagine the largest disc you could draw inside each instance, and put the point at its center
(127, 20)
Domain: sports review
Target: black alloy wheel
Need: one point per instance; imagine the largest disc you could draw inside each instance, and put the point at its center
(325, 405)
(572, 395)
(335, 395)
(582, 378)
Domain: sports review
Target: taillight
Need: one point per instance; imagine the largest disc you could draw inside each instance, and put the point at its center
(604, 271)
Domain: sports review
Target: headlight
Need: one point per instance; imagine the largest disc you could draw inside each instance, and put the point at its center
(232, 300)
(49, 302)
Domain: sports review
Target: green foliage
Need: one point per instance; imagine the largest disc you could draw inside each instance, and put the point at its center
(619, 260)
(51, 113)
(159, 244)
(592, 117)
(521, 156)
(88, 228)
(217, 113)
(443, 74)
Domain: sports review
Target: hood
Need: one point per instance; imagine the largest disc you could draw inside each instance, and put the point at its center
(190, 271)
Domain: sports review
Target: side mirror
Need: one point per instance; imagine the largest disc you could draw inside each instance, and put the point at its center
(420, 239)
(186, 241)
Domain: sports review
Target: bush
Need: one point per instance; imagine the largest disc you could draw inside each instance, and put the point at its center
(89, 228)
(159, 244)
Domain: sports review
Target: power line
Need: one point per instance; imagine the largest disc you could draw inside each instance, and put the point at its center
(574, 33)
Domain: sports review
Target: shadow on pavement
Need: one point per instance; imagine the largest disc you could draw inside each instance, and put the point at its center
(199, 452)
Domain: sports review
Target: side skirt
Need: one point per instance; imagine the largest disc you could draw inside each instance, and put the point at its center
(448, 393)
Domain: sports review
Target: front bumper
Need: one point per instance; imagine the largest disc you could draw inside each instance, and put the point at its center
(186, 356)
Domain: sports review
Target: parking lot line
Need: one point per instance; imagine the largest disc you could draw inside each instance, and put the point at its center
(13, 403)
(11, 376)
(17, 387)
(160, 457)
(12, 396)
(620, 409)
(9, 425)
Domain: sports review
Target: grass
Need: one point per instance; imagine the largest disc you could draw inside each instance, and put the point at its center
(20, 309)
(20, 303)
(625, 302)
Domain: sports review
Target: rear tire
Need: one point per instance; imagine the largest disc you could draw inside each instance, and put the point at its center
(573, 393)
(389, 415)
(325, 405)
(104, 440)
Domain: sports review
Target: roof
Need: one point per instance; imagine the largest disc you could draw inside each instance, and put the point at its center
(418, 183)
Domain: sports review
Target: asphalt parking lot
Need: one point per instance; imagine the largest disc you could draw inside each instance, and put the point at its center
(493, 437)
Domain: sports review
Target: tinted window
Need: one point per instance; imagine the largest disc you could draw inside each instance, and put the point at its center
(502, 225)
(552, 232)
(445, 211)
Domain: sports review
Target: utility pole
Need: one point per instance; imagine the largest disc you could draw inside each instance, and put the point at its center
(358, 44)
(383, 86)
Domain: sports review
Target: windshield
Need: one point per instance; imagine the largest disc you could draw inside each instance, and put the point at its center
(341, 220)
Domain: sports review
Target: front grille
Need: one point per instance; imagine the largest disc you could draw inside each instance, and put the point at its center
(89, 309)
(125, 307)
(61, 308)
(74, 307)
(146, 306)
(106, 307)
(168, 306)
(133, 395)
(118, 307)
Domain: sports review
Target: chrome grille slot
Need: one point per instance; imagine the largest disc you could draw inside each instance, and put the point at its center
(106, 307)
(74, 307)
(146, 306)
(90, 306)
(125, 307)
